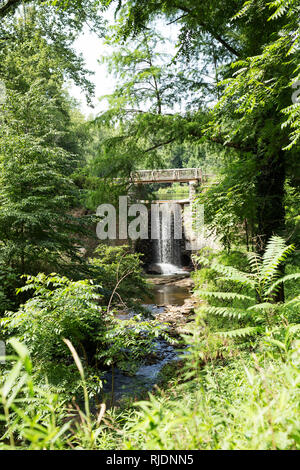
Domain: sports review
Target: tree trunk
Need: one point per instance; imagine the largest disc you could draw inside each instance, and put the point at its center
(270, 196)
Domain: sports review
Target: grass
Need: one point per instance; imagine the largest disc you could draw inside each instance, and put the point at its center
(226, 393)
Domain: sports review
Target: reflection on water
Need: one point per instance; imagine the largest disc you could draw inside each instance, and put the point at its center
(168, 295)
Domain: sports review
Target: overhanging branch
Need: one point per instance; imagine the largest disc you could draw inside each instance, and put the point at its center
(208, 29)
(161, 144)
(6, 6)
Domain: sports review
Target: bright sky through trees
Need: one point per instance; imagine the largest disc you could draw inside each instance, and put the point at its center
(92, 47)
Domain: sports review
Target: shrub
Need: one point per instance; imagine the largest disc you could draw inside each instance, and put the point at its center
(252, 403)
(61, 308)
(119, 272)
(255, 305)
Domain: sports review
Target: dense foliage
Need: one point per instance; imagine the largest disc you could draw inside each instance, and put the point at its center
(230, 394)
(210, 85)
(254, 300)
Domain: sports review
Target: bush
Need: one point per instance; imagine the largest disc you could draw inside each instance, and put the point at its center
(61, 308)
(249, 404)
(254, 303)
(120, 274)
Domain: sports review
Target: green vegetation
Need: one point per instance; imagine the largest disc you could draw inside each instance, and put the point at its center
(232, 393)
(256, 304)
(173, 190)
(222, 97)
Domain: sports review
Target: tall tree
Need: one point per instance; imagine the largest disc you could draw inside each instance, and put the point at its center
(36, 140)
(145, 94)
(231, 38)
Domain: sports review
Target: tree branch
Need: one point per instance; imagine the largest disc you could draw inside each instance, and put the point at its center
(234, 145)
(177, 19)
(115, 289)
(215, 35)
(161, 144)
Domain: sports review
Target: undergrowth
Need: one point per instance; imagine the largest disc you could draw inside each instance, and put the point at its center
(229, 391)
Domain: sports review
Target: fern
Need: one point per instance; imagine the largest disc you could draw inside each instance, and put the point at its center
(224, 295)
(241, 332)
(294, 329)
(294, 301)
(234, 274)
(277, 283)
(228, 312)
(255, 262)
(263, 306)
(275, 254)
(263, 281)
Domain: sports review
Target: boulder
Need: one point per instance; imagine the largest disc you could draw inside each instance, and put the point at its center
(154, 269)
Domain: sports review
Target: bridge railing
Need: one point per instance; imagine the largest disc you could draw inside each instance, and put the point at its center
(176, 174)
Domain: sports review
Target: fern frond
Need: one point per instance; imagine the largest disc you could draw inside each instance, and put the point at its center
(276, 252)
(262, 306)
(227, 312)
(295, 300)
(255, 262)
(274, 245)
(224, 295)
(200, 259)
(288, 277)
(241, 332)
(294, 329)
(233, 274)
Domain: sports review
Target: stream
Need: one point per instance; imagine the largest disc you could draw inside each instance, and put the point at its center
(167, 294)
(147, 374)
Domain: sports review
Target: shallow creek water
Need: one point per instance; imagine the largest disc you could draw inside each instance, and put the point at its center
(147, 374)
(165, 294)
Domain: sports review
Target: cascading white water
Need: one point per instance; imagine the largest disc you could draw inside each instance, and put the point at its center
(167, 249)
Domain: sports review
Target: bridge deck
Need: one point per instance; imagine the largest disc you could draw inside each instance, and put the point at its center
(182, 175)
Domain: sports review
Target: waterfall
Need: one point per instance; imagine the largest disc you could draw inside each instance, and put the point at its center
(167, 230)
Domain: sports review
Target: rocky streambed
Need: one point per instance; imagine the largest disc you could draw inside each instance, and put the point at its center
(178, 304)
(172, 303)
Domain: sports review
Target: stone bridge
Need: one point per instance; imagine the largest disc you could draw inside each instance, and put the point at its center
(193, 176)
(180, 175)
